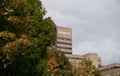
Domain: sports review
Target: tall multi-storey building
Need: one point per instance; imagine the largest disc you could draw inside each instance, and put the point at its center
(64, 40)
(64, 44)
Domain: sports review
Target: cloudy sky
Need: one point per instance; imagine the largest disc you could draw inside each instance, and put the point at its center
(95, 25)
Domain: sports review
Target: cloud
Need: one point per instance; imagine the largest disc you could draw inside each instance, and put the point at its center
(95, 25)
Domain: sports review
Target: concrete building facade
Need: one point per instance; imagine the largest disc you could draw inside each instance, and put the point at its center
(75, 57)
(96, 61)
(64, 40)
(64, 44)
(110, 70)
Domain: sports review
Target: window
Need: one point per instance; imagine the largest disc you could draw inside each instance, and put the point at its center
(68, 48)
(61, 38)
(64, 43)
(75, 58)
(67, 52)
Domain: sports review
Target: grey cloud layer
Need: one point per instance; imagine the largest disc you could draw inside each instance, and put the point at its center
(95, 25)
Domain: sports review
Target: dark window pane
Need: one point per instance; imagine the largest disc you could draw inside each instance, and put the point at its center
(64, 43)
(64, 48)
(61, 38)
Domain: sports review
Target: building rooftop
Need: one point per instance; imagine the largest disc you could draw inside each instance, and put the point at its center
(115, 65)
(64, 27)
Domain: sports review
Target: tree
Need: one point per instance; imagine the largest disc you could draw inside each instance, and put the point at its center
(13, 38)
(83, 68)
(97, 72)
(24, 38)
(58, 64)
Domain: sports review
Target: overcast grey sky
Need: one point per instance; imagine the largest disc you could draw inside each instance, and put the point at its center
(95, 25)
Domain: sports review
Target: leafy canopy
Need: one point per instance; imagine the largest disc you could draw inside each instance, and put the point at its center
(24, 38)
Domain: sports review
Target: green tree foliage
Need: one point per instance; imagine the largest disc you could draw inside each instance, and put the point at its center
(24, 38)
(58, 64)
(97, 72)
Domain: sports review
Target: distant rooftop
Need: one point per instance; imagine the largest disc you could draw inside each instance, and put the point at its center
(64, 27)
(115, 65)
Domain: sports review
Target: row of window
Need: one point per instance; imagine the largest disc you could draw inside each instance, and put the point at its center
(67, 48)
(61, 38)
(74, 58)
(64, 43)
(67, 52)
